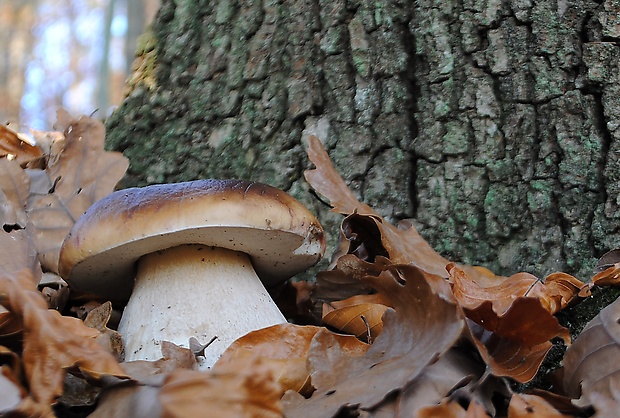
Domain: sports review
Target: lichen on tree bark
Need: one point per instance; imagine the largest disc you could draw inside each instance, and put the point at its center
(493, 124)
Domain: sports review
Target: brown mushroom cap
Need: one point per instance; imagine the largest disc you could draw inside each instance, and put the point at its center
(279, 234)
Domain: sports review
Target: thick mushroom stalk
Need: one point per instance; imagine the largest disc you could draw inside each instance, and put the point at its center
(194, 291)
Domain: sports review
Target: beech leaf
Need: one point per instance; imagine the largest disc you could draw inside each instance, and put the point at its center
(591, 363)
(286, 347)
(81, 173)
(244, 389)
(554, 293)
(359, 315)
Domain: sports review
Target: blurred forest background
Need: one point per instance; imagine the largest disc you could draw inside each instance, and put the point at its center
(74, 54)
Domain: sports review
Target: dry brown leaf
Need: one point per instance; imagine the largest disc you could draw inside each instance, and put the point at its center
(506, 357)
(14, 192)
(246, 388)
(286, 346)
(610, 276)
(529, 406)
(452, 409)
(420, 328)
(17, 252)
(108, 338)
(81, 173)
(344, 281)
(359, 315)
(456, 368)
(554, 293)
(14, 147)
(173, 357)
(52, 343)
(135, 401)
(55, 291)
(591, 363)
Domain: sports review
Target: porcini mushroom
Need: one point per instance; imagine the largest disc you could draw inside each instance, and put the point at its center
(200, 253)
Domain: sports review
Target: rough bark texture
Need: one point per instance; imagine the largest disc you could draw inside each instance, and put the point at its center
(494, 124)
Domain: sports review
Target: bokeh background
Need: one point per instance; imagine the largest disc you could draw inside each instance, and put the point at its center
(66, 53)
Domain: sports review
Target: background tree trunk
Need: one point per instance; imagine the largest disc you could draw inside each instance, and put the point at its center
(494, 124)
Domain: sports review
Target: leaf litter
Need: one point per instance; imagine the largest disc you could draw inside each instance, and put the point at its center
(406, 332)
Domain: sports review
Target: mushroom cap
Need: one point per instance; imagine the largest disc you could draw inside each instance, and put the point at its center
(278, 233)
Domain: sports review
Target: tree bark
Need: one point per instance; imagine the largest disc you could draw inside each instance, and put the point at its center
(493, 124)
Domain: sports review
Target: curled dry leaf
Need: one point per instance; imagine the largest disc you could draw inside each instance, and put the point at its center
(14, 192)
(108, 338)
(455, 369)
(421, 327)
(554, 293)
(591, 363)
(608, 269)
(358, 315)
(512, 323)
(402, 244)
(16, 147)
(285, 346)
(52, 344)
(17, 251)
(246, 388)
(81, 173)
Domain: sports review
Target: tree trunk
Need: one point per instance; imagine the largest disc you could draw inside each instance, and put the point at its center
(493, 124)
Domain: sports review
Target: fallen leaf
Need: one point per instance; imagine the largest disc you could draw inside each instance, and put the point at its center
(18, 252)
(15, 147)
(507, 358)
(359, 315)
(402, 244)
(245, 388)
(421, 327)
(81, 173)
(55, 291)
(109, 339)
(524, 405)
(52, 343)
(554, 293)
(591, 363)
(14, 192)
(452, 409)
(344, 280)
(456, 368)
(286, 346)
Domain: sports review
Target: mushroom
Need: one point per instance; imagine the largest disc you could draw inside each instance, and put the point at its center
(200, 253)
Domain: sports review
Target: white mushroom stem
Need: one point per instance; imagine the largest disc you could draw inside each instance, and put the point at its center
(194, 291)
